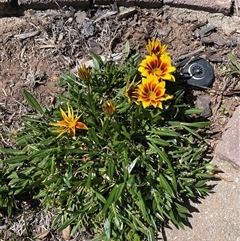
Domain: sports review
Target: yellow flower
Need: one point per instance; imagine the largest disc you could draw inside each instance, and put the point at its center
(84, 73)
(131, 91)
(156, 47)
(69, 123)
(109, 108)
(152, 92)
(160, 67)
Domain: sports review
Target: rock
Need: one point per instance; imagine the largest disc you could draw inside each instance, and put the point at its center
(203, 103)
(88, 29)
(206, 30)
(229, 146)
(80, 17)
(216, 39)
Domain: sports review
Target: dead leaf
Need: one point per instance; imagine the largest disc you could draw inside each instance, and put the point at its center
(44, 234)
(66, 233)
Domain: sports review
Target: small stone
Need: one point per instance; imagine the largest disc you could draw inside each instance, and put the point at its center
(218, 40)
(88, 29)
(80, 17)
(203, 103)
(206, 30)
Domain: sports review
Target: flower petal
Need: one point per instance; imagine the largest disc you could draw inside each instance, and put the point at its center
(82, 126)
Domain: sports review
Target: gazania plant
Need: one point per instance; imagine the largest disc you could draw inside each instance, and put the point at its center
(120, 154)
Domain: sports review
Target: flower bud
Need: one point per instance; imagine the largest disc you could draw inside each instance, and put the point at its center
(109, 108)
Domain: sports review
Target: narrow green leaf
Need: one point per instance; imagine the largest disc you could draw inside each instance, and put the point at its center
(193, 111)
(194, 133)
(150, 235)
(158, 141)
(11, 151)
(93, 136)
(181, 209)
(166, 185)
(142, 207)
(233, 60)
(111, 169)
(97, 61)
(193, 124)
(89, 179)
(119, 191)
(99, 196)
(162, 154)
(107, 228)
(109, 200)
(33, 102)
(165, 132)
(67, 223)
(16, 159)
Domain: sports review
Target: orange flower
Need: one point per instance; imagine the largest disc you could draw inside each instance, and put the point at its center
(69, 123)
(160, 67)
(156, 47)
(108, 107)
(152, 92)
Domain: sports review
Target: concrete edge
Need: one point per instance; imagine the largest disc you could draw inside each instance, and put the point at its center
(10, 8)
(225, 159)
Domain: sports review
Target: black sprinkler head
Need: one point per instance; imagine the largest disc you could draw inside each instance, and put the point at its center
(197, 72)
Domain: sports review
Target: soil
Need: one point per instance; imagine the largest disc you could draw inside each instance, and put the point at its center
(39, 45)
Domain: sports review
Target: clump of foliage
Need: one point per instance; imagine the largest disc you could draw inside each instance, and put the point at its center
(118, 155)
(233, 68)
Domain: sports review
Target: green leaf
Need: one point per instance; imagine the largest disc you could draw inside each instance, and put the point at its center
(165, 132)
(158, 141)
(33, 102)
(16, 159)
(99, 196)
(181, 209)
(150, 235)
(111, 169)
(11, 151)
(162, 154)
(194, 133)
(97, 61)
(109, 200)
(93, 136)
(119, 191)
(142, 207)
(89, 179)
(67, 223)
(127, 48)
(233, 60)
(193, 111)
(166, 185)
(90, 102)
(107, 228)
(193, 124)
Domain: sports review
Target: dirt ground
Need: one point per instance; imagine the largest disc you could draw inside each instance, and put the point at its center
(38, 46)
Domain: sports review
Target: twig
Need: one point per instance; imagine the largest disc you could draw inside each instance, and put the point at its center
(184, 56)
(26, 35)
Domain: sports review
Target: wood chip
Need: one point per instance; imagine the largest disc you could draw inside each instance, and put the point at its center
(26, 35)
(44, 234)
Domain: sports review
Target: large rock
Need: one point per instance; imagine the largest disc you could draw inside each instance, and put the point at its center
(130, 3)
(46, 4)
(222, 6)
(228, 148)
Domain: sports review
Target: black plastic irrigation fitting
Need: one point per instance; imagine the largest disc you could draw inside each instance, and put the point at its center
(197, 72)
